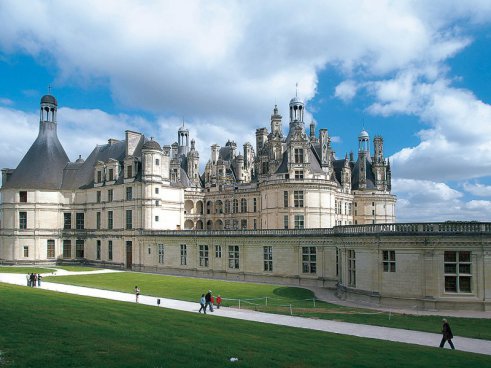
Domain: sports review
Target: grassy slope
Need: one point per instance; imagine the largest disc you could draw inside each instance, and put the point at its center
(191, 288)
(42, 328)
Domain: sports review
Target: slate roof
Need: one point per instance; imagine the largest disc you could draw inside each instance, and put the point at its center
(42, 166)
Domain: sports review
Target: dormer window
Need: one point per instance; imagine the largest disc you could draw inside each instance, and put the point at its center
(298, 156)
(111, 174)
(129, 171)
(23, 196)
(99, 176)
(157, 162)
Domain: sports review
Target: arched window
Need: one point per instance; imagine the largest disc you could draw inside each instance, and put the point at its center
(243, 205)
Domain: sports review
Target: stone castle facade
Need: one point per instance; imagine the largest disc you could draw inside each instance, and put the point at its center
(287, 211)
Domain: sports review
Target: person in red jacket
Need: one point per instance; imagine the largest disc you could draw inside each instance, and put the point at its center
(219, 301)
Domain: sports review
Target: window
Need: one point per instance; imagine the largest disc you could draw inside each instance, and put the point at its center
(129, 171)
(23, 196)
(243, 205)
(79, 248)
(233, 256)
(26, 251)
(110, 195)
(298, 174)
(109, 219)
(298, 198)
(98, 196)
(389, 260)
(298, 155)
(110, 250)
(268, 258)
(161, 253)
(457, 268)
(285, 222)
(265, 167)
(254, 226)
(285, 199)
(80, 220)
(111, 174)
(309, 259)
(98, 220)
(156, 190)
(227, 206)
(67, 220)
(22, 220)
(184, 254)
(299, 222)
(156, 219)
(99, 176)
(129, 193)
(129, 219)
(218, 251)
(67, 249)
(203, 256)
(98, 249)
(254, 204)
(351, 268)
(337, 261)
(157, 202)
(350, 209)
(50, 249)
(157, 162)
(243, 224)
(235, 206)
(149, 250)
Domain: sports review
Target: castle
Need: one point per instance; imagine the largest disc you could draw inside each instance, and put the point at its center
(287, 212)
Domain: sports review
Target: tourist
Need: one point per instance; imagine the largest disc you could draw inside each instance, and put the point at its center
(212, 300)
(447, 334)
(137, 293)
(28, 278)
(39, 279)
(202, 302)
(219, 301)
(208, 301)
(35, 278)
(31, 280)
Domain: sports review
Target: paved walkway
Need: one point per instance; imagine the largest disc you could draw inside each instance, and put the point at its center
(366, 331)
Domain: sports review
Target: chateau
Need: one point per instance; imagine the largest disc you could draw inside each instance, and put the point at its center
(287, 211)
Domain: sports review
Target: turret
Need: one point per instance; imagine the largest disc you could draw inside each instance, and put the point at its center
(193, 164)
(261, 138)
(276, 128)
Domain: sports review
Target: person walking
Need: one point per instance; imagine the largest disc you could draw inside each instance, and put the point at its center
(137, 293)
(202, 302)
(39, 279)
(28, 279)
(447, 334)
(208, 301)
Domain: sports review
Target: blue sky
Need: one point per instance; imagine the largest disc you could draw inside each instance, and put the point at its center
(416, 72)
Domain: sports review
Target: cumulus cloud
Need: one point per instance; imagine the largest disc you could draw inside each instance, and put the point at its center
(478, 189)
(425, 201)
(346, 90)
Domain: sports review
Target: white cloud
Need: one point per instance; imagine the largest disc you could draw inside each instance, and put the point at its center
(478, 189)
(346, 90)
(425, 201)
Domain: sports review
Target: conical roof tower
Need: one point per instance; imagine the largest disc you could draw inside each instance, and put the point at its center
(42, 166)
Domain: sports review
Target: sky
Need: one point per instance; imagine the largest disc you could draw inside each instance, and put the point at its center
(417, 73)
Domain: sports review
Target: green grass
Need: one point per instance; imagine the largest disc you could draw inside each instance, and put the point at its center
(31, 269)
(26, 270)
(47, 329)
(279, 300)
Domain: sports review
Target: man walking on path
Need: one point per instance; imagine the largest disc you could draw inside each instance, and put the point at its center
(447, 334)
(208, 301)
(137, 293)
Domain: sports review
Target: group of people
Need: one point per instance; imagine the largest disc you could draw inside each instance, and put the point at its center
(33, 279)
(207, 301)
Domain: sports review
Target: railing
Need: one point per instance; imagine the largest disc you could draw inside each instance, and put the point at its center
(395, 228)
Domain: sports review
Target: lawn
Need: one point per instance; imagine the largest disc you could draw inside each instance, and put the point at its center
(280, 298)
(32, 269)
(47, 329)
